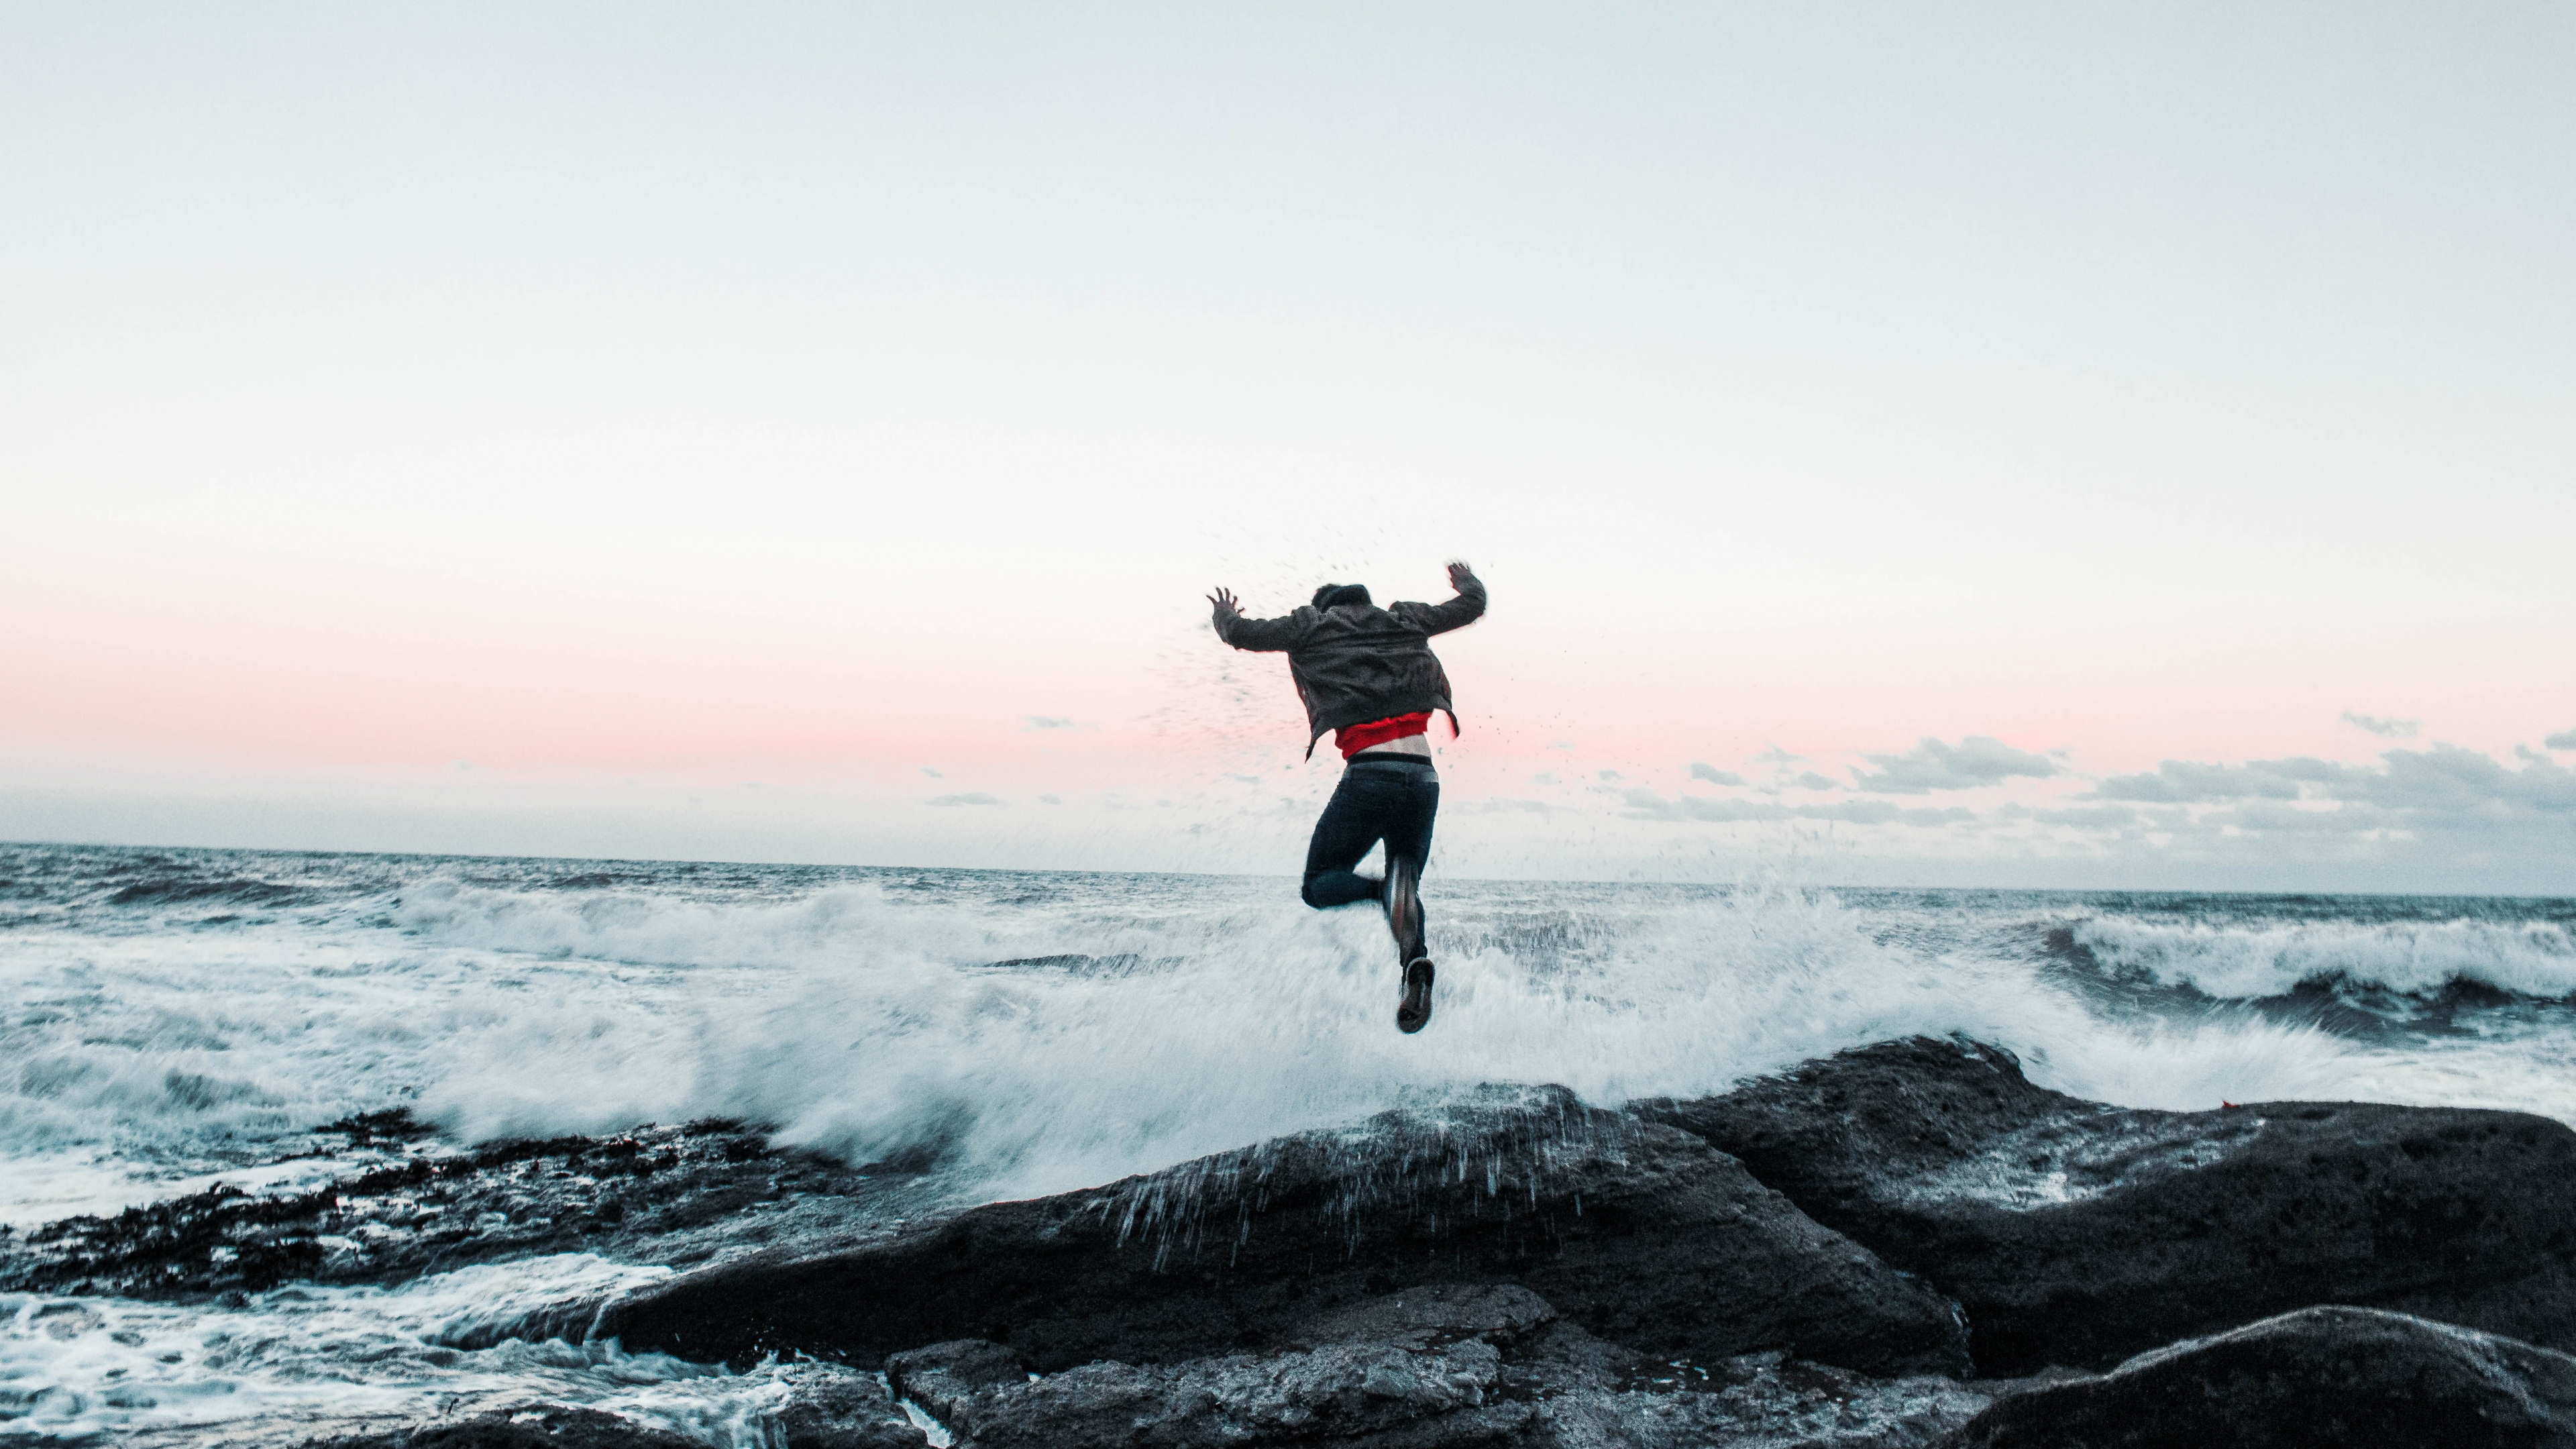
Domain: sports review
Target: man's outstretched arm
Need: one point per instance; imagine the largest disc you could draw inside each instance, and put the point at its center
(1458, 612)
(1243, 633)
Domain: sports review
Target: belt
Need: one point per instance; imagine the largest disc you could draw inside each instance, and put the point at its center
(1409, 764)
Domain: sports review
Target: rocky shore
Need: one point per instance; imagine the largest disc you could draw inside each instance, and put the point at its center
(1907, 1244)
(681, 1196)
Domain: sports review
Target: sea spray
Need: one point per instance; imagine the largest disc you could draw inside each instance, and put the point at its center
(181, 1018)
(182, 1012)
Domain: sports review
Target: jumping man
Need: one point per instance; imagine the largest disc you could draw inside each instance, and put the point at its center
(1368, 674)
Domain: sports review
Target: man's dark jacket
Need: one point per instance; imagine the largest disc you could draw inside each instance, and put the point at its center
(1357, 662)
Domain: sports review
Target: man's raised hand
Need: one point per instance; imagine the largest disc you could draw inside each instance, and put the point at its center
(1460, 574)
(1226, 606)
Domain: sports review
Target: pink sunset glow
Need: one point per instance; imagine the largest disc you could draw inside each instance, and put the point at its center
(437, 484)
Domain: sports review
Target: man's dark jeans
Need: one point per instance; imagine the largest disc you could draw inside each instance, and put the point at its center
(1391, 801)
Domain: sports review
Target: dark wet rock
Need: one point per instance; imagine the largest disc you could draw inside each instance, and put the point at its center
(1501, 1313)
(1639, 1233)
(2073, 1232)
(543, 1426)
(944, 1375)
(833, 1407)
(394, 1127)
(2322, 1377)
(1339, 1393)
(1761, 1401)
(828, 1407)
(1449, 1365)
(1426, 1367)
(675, 1195)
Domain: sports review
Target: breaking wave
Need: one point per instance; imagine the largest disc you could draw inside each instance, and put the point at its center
(1021, 1033)
(887, 1031)
(2233, 962)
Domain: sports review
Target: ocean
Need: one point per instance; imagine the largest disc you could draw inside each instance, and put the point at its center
(174, 1019)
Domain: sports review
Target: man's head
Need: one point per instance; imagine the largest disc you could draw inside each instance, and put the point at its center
(1332, 595)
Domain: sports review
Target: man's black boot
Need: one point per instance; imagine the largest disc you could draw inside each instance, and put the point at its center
(1404, 918)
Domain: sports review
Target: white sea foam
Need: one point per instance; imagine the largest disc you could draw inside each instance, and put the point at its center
(2530, 958)
(286, 1364)
(49, 1186)
(1174, 1018)
(887, 1034)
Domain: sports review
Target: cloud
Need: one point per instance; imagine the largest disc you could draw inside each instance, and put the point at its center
(1645, 804)
(1610, 775)
(1810, 780)
(1048, 721)
(934, 774)
(1776, 756)
(2185, 782)
(2280, 817)
(976, 797)
(1856, 812)
(2088, 817)
(2449, 786)
(1050, 799)
(1494, 804)
(1880, 812)
(1545, 778)
(2563, 740)
(2386, 727)
(2444, 789)
(2445, 785)
(1931, 765)
(1714, 775)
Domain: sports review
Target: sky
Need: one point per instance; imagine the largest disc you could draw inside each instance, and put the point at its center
(2038, 445)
